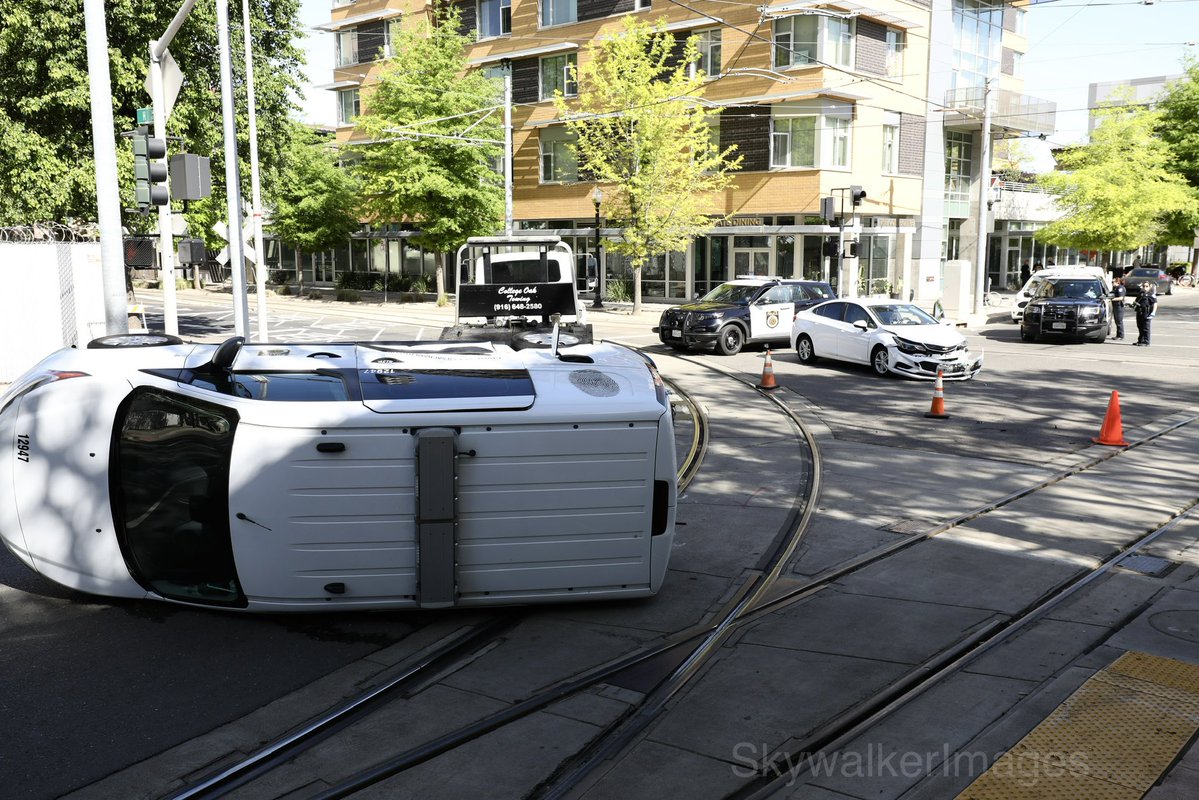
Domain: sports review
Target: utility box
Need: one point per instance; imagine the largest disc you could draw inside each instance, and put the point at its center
(958, 289)
(191, 177)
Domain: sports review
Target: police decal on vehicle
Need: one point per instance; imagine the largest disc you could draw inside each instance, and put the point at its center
(772, 319)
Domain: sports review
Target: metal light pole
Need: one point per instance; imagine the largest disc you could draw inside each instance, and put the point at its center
(108, 201)
(237, 260)
(255, 188)
(597, 197)
(984, 186)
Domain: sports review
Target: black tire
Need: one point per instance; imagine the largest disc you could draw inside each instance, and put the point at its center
(133, 340)
(729, 340)
(1170, 289)
(1100, 339)
(804, 349)
(880, 361)
(682, 348)
(1026, 335)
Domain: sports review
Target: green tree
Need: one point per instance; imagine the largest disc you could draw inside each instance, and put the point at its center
(639, 128)
(315, 198)
(46, 165)
(432, 124)
(1117, 191)
(1179, 127)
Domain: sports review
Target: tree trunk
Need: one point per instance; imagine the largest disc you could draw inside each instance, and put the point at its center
(636, 288)
(299, 272)
(441, 296)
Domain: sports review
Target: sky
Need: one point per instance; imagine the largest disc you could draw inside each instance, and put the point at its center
(1071, 43)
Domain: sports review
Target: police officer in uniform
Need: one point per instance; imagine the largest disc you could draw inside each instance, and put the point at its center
(1119, 292)
(1146, 305)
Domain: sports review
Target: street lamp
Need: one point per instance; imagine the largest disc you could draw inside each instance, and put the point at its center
(597, 197)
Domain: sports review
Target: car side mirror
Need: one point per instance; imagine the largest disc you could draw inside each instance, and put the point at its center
(861, 325)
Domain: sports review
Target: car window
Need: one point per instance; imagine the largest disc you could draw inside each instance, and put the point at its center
(303, 387)
(1077, 289)
(814, 292)
(778, 294)
(902, 314)
(730, 293)
(831, 310)
(1144, 273)
(855, 313)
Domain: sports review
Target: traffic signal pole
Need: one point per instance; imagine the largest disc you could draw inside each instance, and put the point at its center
(166, 233)
(237, 259)
(166, 237)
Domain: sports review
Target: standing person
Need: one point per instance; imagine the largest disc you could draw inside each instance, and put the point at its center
(1146, 305)
(1025, 272)
(1119, 292)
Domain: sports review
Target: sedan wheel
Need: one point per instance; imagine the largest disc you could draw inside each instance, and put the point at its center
(730, 340)
(133, 340)
(881, 361)
(804, 349)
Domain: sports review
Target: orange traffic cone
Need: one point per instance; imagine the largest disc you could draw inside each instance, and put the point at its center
(1112, 432)
(938, 408)
(768, 374)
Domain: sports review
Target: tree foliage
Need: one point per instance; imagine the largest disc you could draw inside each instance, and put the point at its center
(1178, 124)
(315, 199)
(432, 125)
(640, 129)
(1117, 192)
(47, 171)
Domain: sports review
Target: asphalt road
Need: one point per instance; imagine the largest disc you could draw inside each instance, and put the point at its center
(88, 686)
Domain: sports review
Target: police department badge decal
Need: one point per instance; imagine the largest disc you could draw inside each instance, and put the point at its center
(772, 319)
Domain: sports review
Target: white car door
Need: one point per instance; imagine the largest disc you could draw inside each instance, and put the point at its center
(771, 314)
(853, 343)
(826, 328)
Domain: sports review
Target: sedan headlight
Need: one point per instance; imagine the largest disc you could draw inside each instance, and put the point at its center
(910, 347)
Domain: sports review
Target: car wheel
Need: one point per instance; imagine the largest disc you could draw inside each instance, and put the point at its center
(677, 346)
(133, 340)
(880, 359)
(730, 340)
(805, 350)
(1170, 289)
(1026, 335)
(1100, 339)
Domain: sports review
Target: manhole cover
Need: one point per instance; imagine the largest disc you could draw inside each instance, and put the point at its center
(1179, 624)
(1146, 565)
(908, 526)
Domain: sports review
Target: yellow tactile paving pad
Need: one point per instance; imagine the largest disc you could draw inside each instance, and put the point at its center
(1113, 738)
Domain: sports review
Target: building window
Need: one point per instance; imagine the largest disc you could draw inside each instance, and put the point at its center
(895, 48)
(347, 48)
(795, 40)
(1017, 64)
(558, 12)
(709, 52)
(1021, 21)
(977, 45)
(347, 102)
(890, 142)
(641, 5)
(558, 75)
(558, 162)
(958, 155)
(495, 18)
(804, 39)
(810, 134)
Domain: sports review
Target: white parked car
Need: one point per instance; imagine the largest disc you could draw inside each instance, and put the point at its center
(890, 336)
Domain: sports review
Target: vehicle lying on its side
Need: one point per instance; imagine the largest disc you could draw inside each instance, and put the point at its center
(514, 467)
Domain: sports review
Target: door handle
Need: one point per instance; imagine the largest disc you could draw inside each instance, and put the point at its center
(331, 447)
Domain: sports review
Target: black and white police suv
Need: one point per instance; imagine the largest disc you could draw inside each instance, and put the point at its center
(742, 311)
(512, 466)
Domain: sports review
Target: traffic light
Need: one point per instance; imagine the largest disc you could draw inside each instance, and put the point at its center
(150, 174)
(828, 210)
(857, 194)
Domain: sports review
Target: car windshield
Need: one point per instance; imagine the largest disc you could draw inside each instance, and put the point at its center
(1075, 289)
(903, 314)
(1143, 273)
(731, 293)
(817, 291)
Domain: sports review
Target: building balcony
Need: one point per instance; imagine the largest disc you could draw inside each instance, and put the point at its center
(1011, 113)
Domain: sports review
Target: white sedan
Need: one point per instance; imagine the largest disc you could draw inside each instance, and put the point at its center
(890, 336)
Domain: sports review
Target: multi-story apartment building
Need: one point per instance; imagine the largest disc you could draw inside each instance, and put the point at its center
(817, 97)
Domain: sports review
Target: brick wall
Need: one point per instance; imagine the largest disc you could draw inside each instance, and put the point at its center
(750, 134)
(911, 144)
(871, 52)
(597, 9)
(469, 24)
(526, 81)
